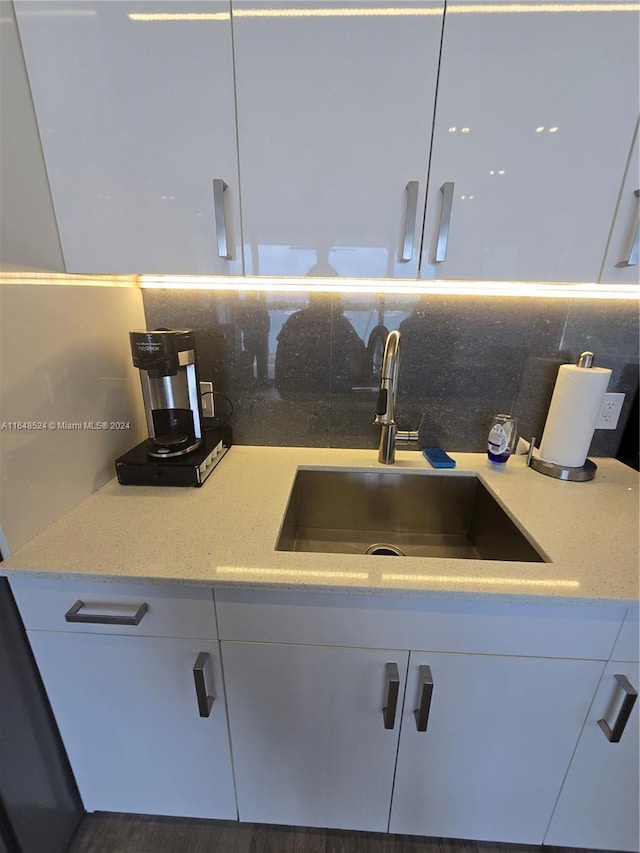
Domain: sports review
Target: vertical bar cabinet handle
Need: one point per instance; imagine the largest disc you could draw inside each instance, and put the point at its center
(204, 702)
(425, 682)
(445, 220)
(614, 734)
(392, 690)
(219, 187)
(633, 251)
(410, 221)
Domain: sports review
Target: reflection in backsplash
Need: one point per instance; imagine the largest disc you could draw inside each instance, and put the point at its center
(303, 369)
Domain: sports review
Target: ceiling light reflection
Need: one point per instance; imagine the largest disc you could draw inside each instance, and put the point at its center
(527, 8)
(399, 12)
(179, 16)
(298, 573)
(492, 581)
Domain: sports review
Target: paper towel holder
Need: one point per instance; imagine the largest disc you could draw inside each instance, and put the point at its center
(564, 472)
(586, 359)
(561, 472)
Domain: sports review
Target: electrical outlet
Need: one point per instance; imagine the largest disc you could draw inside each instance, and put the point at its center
(610, 411)
(206, 396)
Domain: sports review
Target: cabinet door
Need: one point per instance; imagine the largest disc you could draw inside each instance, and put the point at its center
(498, 742)
(622, 261)
(135, 106)
(129, 717)
(533, 120)
(598, 805)
(335, 107)
(307, 731)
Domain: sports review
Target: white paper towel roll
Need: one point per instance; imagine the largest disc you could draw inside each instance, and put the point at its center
(573, 413)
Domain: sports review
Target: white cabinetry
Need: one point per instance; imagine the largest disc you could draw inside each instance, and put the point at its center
(598, 805)
(622, 261)
(335, 107)
(505, 715)
(131, 704)
(488, 762)
(308, 732)
(135, 106)
(536, 106)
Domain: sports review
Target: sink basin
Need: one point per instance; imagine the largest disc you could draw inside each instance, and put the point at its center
(399, 513)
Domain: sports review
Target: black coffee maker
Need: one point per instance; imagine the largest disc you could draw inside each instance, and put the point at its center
(167, 362)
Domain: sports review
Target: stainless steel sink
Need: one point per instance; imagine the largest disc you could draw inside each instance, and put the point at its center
(400, 513)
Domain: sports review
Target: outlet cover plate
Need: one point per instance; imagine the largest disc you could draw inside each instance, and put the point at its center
(610, 411)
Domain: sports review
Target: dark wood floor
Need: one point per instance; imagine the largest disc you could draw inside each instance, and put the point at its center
(115, 833)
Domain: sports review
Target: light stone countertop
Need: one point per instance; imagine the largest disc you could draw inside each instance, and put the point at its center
(224, 534)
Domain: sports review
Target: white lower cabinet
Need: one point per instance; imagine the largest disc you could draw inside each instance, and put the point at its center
(130, 671)
(308, 732)
(494, 745)
(310, 745)
(129, 717)
(330, 719)
(501, 697)
(598, 806)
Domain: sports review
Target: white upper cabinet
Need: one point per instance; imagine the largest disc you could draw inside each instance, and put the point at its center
(622, 261)
(335, 105)
(329, 157)
(534, 115)
(135, 106)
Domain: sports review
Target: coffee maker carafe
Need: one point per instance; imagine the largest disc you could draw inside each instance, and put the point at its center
(166, 359)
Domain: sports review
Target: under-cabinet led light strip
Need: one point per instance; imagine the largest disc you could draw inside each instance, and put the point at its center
(426, 287)
(394, 286)
(63, 278)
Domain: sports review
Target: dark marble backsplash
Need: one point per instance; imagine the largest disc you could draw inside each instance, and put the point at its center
(304, 369)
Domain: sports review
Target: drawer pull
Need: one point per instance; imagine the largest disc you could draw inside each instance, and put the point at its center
(219, 188)
(426, 692)
(205, 702)
(74, 615)
(445, 221)
(392, 690)
(410, 221)
(633, 250)
(614, 734)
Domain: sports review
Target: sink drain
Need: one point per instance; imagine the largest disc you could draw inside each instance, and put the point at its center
(385, 550)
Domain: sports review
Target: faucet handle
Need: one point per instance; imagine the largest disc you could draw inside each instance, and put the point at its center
(381, 402)
(410, 435)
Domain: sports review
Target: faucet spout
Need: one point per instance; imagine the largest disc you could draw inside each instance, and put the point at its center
(387, 399)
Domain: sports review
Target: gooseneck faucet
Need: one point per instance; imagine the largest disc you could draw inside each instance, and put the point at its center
(387, 402)
(387, 399)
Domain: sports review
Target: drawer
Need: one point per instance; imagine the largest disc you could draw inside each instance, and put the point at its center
(437, 624)
(171, 611)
